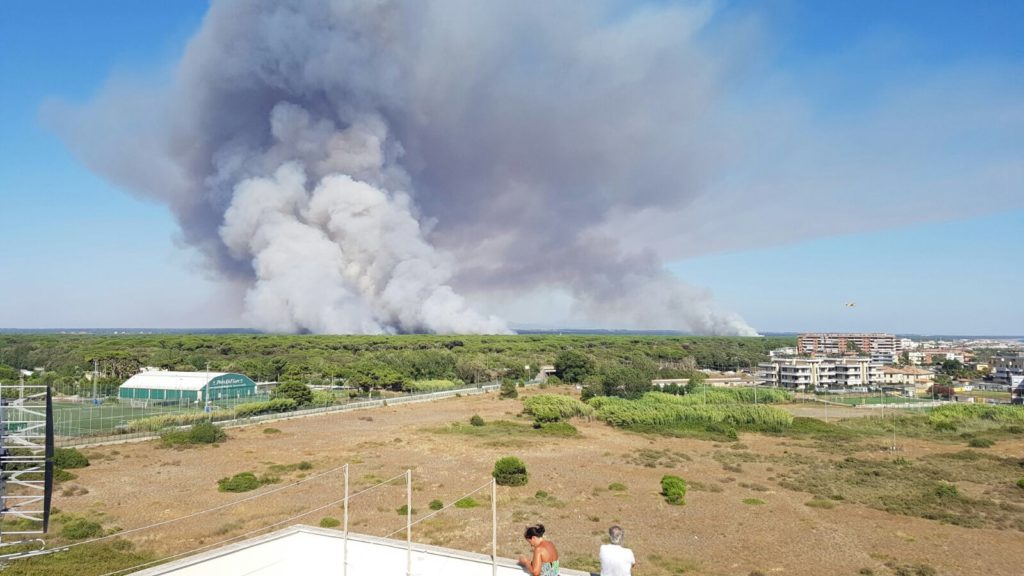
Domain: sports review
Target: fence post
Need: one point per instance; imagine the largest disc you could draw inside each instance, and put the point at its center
(494, 527)
(344, 553)
(408, 522)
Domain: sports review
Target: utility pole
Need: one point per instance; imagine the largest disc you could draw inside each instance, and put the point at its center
(95, 375)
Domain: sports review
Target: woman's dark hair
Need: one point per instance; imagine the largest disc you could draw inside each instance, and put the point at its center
(532, 531)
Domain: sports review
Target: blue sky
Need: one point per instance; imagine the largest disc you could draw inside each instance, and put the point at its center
(76, 251)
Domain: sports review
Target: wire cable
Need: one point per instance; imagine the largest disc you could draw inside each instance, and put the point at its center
(251, 532)
(201, 512)
(438, 511)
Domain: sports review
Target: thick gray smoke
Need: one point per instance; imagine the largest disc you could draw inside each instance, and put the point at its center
(352, 163)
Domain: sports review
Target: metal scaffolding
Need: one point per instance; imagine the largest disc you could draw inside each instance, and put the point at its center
(26, 463)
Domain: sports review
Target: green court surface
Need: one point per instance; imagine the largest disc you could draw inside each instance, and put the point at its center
(83, 419)
(874, 399)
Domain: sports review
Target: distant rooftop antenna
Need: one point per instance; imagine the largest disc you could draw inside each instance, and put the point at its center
(26, 467)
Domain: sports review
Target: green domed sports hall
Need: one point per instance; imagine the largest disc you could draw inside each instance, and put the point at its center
(169, 386)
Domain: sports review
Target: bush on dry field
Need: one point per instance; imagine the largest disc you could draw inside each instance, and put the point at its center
(510, 471)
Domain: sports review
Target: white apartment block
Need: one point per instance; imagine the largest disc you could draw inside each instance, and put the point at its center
(884, 348)
(832, 373)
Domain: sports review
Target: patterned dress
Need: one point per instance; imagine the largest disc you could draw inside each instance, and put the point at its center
(549, 568)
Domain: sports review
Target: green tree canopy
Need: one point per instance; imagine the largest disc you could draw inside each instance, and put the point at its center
(572, 366)
(375, 376)
(625, 381)
(294, 390)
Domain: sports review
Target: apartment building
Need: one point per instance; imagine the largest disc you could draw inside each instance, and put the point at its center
(1006, 374)
(884, 348)
(909, 376)
(832, 373)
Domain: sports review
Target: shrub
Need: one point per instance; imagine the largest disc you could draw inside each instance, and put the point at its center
(271, 431)
(297, 391)
(304, 465)
(555, 407)
(266, 407)
(202, 433)
(508, 390)
(323, 398)
(329, 522)
(617, 487)
(404, 509)
(432, 385)
(476, 420)
(155, 423)
(69, 458)
(943, 491)
(206, 433)
(753, 501)
(561, 429)
(510, 471)
(673, 488)
(956, 414)
(466, 502)
(1020, 483)
(241, 482)
(80, 529)
(656, 409)
(436, 504)
(980, 443)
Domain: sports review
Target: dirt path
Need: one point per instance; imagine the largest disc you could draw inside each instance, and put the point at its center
(716, 533)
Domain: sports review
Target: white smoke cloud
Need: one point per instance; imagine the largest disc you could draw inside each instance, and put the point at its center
(346, 258)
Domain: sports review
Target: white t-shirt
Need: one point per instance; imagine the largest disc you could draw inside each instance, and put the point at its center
(616, 560)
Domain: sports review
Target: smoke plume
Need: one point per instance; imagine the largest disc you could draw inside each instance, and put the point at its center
(354, 163)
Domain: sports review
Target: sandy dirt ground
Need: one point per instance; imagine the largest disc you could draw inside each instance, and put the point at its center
(715, 533)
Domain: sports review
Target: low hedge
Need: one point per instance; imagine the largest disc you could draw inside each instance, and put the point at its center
(555, 407)
(673, 488)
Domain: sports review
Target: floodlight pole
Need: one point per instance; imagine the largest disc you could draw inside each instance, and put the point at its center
(344, 551)
(408, 522)
(494, 527)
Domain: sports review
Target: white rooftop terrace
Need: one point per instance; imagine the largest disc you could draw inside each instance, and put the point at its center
(311, 551)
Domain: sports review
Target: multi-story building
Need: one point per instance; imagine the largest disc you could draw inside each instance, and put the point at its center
(907, 376)
(832, 373)
(884, 348)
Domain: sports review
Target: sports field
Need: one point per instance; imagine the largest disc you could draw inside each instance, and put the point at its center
(874, 399)
(82, 419)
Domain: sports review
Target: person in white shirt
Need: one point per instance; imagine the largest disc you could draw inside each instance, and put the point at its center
(616, 560)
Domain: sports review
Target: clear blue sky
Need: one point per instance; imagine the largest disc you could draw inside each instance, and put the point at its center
(75, 251)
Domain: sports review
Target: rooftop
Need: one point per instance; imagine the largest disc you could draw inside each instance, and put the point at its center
(168, 380)
(314, 551)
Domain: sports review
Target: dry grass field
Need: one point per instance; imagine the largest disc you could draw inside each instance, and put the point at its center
(763, 505)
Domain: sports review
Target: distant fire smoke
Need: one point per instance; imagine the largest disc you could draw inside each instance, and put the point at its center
(354, 163)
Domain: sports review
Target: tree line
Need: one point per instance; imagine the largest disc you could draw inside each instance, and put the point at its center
(369, 361)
